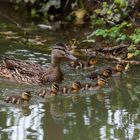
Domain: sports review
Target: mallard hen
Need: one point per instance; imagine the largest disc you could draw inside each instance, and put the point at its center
(34, 74)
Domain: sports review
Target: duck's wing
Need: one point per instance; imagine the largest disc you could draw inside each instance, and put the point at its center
(22, 66)
(4, 72)
(15, 76)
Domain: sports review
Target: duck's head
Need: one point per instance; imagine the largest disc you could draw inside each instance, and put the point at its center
(26, 95)
(107, 73)
(92, 60)
(120, 67)
(59, 52)
(101, 81)
(55, 89)
(76, 86)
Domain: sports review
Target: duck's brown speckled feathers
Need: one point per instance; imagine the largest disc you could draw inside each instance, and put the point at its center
(23, 67)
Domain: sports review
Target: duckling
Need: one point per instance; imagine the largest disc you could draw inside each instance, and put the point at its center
(108, 72)
(90, 63)
(34, 74)
(49, 92)
(105, 72)
(119, 68)
(74, 88)
(101, 81)
(18, 99)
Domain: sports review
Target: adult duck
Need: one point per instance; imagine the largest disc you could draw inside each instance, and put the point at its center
(34, 74)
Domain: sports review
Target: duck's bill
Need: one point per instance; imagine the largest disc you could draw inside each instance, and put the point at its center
(71, 57)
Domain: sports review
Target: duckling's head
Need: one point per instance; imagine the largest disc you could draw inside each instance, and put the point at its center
(76, 86)
(55, 89)
(26, 95)
(92, 60)
(101, 81)
(120, 67)
(107, 73)
(60, 51)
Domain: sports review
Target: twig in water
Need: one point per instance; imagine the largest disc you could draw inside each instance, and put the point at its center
(10, 19)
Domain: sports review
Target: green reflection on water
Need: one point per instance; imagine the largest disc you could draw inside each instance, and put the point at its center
(111, 113)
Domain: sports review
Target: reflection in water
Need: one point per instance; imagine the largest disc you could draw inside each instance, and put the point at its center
(42, 121)
(112, 113)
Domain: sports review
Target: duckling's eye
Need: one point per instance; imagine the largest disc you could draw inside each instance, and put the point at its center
(121, 67)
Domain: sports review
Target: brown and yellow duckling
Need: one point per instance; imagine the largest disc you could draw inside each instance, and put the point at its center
(29, 73)
(90, 63)
(101, 81)
(18, 99)
(105, 73)
(108, 72)
(74, 88)
(119, 68)
(53, 91)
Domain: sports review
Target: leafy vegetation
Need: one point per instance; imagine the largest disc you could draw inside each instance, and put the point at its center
(115, 33)
(114, 21)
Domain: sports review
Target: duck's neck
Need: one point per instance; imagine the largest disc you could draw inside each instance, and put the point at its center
(55, 61)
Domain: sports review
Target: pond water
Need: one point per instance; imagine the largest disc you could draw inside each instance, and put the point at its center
(110, 113)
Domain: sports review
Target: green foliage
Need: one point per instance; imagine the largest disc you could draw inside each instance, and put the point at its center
(135, 37)
(116, 32)
(112, 12)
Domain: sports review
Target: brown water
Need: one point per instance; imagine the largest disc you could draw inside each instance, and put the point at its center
(110, 113)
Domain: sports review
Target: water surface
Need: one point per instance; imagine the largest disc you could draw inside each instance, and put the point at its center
(110, 113)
